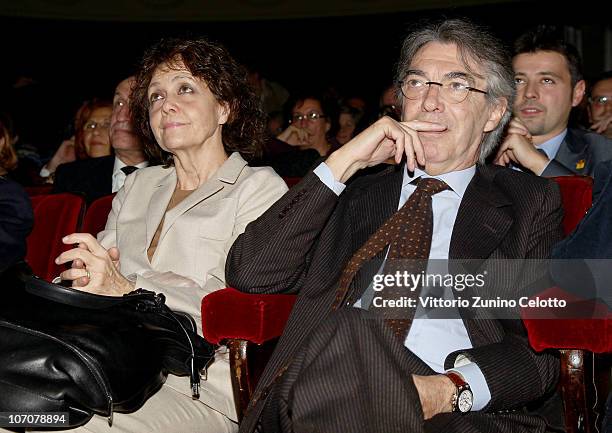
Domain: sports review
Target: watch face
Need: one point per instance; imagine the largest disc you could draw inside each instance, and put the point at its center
(465, 401)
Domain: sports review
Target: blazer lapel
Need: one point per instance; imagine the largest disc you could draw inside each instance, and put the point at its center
(225, 176)
(572, 154)
(371, 207)
(483, 219)
(159, 202)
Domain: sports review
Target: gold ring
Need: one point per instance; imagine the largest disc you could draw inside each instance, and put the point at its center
(88, 275)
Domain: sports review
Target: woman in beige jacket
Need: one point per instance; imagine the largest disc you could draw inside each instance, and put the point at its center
(172, 226)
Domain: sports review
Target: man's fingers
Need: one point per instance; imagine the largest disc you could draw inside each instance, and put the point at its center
(421, 125)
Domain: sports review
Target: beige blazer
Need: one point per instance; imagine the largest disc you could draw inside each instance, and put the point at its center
(196, 236)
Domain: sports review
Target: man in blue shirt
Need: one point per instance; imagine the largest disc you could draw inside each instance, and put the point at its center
(339, 367)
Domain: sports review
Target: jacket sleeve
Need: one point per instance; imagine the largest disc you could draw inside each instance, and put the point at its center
(554, 168)
(515, 373)
(16, 221)
(274, 252)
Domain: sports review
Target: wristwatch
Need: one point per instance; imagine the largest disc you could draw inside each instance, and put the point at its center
(462, 398)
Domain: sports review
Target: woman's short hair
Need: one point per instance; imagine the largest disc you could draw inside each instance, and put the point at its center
(81, 118)
(209, 61)
(8, 157)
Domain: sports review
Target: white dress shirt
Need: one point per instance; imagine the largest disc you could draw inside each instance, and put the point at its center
(433, 339)
(119, 176)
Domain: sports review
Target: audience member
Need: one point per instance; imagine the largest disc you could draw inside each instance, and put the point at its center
(342, 369)
(16, 218)
(600, 105)
(388, 105)
(310, 135)
(174, 224)
(90, 140)
(97, 177)
(548, 76)
(349, 122)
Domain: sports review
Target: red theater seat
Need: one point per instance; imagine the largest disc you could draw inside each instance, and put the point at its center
(55, 216)
(97, 214)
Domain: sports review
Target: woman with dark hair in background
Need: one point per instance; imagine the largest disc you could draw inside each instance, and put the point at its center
(16, 217)
(311, 133)
(174, 224)
(91, 136)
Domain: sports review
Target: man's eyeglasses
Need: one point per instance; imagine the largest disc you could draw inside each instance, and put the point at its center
(600, 100)
(92, 124)
(310, 117)
(451, 90)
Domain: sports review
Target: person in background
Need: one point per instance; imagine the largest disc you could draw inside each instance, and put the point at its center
(16, 217)
(600, 105)
(90, 140)
(549, 82)
(350, 123)
(97, 177)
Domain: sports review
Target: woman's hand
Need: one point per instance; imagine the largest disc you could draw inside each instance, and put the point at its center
(294, 136)
(94, 269)
(65, 153)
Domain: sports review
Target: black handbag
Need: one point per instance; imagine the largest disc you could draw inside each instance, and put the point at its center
(63, 350)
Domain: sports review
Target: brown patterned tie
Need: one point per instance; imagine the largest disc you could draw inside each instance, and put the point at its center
(408, 233)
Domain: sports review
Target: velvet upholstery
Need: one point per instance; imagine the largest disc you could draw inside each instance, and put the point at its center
(55, 216)
(228, 313)
(97, 214)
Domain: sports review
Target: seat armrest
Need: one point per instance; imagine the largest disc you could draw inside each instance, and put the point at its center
(231, 314)
(585, 325)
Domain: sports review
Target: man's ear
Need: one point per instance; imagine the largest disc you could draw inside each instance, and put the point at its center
(578, 93)
(496, 114)
(327, 126)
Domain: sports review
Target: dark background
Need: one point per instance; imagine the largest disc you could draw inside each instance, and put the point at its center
(73, 60)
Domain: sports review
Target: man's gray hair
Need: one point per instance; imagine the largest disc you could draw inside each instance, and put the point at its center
(476, 46)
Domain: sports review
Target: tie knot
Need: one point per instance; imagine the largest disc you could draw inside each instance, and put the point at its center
(432, 186)
(128, 169)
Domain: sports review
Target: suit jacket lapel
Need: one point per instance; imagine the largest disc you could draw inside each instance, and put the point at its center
(572, 154)
(159, 202)
(225, 176)
(371, 207)
(483, 218)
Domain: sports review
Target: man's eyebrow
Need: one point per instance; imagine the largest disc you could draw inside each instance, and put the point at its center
(552, 74)
(460, 74)
(415, 72)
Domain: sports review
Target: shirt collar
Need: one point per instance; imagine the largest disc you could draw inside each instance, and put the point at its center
(120, 164)
(458, 181)
(551, 147)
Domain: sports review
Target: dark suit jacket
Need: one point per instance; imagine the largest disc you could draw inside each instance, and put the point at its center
(579, 153)
(16, 221)
(91, 177)
(302, 243)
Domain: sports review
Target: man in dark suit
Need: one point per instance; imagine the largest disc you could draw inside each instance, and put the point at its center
(548, 74)
(97, 177)
(342, 369)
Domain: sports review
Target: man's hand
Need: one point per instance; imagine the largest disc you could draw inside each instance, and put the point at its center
(602, 125)
(436, 394)
(385, 139)
(518, 148)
